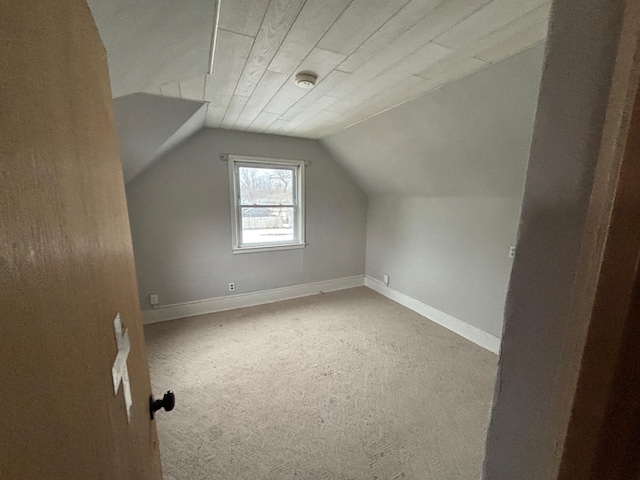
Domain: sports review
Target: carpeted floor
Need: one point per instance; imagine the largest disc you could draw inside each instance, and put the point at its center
(343, 385)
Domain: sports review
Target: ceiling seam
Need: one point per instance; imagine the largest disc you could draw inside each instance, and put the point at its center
(212, 53)
(226, 110)
(265, 70)
(234, 32)
(432, 42)
(430, 12)
(372, 34)
(243, 67)
(307, 56)
(336, 21)
(332, 25)
(214, 37)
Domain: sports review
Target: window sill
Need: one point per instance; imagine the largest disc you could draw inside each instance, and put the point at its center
(270, 248)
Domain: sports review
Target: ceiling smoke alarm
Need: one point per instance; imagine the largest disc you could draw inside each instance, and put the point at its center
(306, 80)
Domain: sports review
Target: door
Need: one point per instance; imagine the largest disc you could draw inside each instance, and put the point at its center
(66, 260)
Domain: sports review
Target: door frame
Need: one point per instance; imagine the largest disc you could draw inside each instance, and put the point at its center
(603, 433)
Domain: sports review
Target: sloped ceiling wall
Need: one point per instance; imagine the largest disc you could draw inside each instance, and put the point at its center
(148, 126)
(469, 138)
(153, 42)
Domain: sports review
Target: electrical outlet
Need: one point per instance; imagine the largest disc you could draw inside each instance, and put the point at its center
(385, 279)
(512, 251)
(232, 287)
(153, 299)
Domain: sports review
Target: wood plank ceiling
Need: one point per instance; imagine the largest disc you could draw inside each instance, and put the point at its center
(369, 55)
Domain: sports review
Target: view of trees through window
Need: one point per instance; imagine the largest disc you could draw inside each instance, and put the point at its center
(268, 204)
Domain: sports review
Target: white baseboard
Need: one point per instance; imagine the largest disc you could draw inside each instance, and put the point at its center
(471, 333)
(241, 300)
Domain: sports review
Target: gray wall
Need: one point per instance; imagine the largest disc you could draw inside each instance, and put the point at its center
(542, 342)
(450, 253)
(181, 221)
(148, 125)
(445, 174)
(468, 138)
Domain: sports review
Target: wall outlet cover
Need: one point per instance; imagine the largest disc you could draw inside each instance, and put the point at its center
(153, 299)
(385, 279)
(232, 287)
(512, 251)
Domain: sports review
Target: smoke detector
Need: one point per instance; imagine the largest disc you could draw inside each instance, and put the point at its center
(306, 80)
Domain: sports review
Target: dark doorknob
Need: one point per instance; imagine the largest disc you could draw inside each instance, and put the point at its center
(168, 402)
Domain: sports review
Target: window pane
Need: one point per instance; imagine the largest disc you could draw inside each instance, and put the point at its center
(266, 186)
(262, 225)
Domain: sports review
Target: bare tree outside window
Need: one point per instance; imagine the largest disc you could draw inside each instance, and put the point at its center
(266, 186)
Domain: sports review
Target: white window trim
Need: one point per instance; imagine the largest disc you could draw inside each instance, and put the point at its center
(236, 211)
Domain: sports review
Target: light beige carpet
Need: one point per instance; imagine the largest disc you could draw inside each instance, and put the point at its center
(344, 385)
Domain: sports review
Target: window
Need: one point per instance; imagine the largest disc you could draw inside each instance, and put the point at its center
(267, 204)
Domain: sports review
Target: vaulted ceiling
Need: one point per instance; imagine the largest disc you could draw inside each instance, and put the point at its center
(369, 55)
(470, 138)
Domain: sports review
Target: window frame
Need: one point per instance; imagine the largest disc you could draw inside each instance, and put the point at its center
(298, 167)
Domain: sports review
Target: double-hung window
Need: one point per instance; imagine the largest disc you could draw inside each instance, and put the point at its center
(267, 203)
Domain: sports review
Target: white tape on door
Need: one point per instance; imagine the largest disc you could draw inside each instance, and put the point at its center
(119, 371)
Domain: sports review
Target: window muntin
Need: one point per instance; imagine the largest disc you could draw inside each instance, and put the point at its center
(267, 204)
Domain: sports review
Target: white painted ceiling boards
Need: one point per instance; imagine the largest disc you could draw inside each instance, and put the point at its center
(153, 42)
(369, 55)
